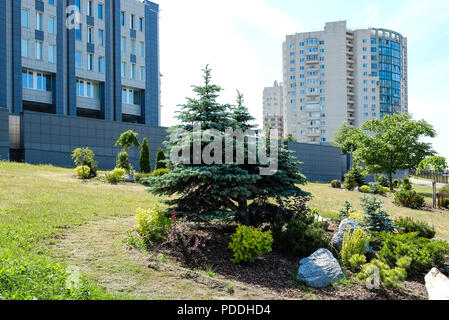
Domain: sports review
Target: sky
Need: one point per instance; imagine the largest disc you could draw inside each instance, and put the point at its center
(241, 40)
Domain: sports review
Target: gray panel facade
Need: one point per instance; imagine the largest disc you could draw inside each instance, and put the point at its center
(4, 134)
(50, 139)
(319, 163)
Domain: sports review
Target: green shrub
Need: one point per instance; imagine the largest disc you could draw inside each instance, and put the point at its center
(356, 261)
(115, 176)
(364, 189)
(248, 243)
(443, 197)
(160, 158)
(152, 225)
(123, 162)
(139, 177)
(396, 183)
(383, 181)
(336, 184)
(409, 198)
(354, 243)
(85, 157)
(145, 158)
(346, 211)
(388, 277)
(408, 225)
(301, 236)
(160, 172)
(406, 184)
(424, 253)
(375, 218)
(354, 178)
(83, 172)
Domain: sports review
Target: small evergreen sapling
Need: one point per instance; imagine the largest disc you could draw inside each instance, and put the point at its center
(375, 218)
(160, 160)
(145, 157)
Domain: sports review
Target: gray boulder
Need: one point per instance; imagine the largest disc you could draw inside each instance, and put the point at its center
(437, 285)
(337, 239)
(320, 269)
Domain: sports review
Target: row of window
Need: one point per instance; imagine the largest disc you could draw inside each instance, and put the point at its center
(25, 13)
(88, 89)
(36, 80)
(39, 50)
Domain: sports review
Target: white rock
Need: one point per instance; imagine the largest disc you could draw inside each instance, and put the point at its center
(437, 285)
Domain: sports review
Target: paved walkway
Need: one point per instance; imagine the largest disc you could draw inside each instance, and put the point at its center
(426, 183)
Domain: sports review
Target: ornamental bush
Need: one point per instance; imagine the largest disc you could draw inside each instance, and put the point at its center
(83, 172)
(301, 236)
(424, 253)
(123, 162)
(375, 218)
(383, 181)
(386, 276)
(249, 242)
(152, 225)
(354, 243)
(160, 172)
(374, 189)
(409, 199)
(408, 225)
(406, 184)
(396, 183)
(115, 176)
(85, 157)
(160, 159)
(336, 184)
(354, 178)
(145, 158)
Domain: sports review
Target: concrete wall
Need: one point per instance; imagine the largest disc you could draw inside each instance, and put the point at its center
(4, 134)
(319, 163)
(50, 139)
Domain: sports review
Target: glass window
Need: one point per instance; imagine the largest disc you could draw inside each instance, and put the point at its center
(52, 53)
(89, 8)
(131, 97)
(78, 5)
(51, 25)
(142, 49)
(90, 35)
(100, 11)
(122, 18)
(25, 48)
(133, 46)
(123, 69)
(78, 59)
(101, 37)
(123, 44)
(124, 96)
(39, 21)
(89, 89)
(133, 71)
(142, 73)
(101, 64)
(78, 33)
(51, 2)
(132, 22)
(141, 24)
(39, 50)
(25, 18)
(90, 62)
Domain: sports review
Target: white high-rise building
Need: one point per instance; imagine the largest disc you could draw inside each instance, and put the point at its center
(341, 76)
(272, 107)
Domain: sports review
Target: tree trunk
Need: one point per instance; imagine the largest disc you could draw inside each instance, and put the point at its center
(245, 217)
(391, 182)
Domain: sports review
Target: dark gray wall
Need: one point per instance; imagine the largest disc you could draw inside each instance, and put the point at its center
(320, 163)
(4, 134)
(50, 139)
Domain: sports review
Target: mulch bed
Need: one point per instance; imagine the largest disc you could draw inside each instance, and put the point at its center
(276, 272)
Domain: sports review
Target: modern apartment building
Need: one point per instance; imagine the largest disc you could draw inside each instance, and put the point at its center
(341, 76)
(79, 59)
(272, 107)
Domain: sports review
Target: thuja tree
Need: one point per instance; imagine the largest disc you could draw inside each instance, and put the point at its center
(205, 191)
(160, 159)
(145, 157)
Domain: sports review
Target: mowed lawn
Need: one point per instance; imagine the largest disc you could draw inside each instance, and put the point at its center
(329, 201)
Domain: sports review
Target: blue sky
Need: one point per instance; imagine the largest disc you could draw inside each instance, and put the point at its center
(242, 41)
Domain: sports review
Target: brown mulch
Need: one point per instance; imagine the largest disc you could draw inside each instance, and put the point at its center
(276, 272)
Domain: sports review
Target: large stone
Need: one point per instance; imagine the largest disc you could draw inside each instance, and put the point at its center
(337, 239)
(437, 285)
(320, 269)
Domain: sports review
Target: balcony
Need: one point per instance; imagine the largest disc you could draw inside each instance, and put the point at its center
(313, 134)
(350, 85)
(312, 94)
(349, 36)
(351, 117)
(350, 101)
(349, 44)
(351, 109)
(350, 69)
(312, 61)
(349, 60)
(350, 93)
(349, 53)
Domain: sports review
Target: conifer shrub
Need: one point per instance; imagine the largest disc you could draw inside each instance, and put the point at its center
(160, 159)
(354, 178)
(388, 277)
(375, 218)
(301, 236)
(83, 172)
(409, 199)
(85, 157)
(383, 181)
(247, 243)
(374, 189)
(396, 183)
(346, 210)
(408, 225)
(123, 162)
(160, 172)
(424, 253)
(145, 159)
(406, 184)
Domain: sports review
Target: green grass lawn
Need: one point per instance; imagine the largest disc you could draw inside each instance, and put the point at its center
(329, 201)
(42, 207)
